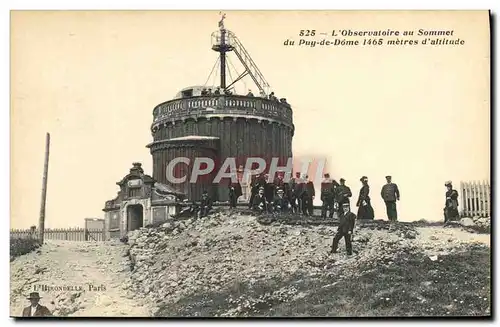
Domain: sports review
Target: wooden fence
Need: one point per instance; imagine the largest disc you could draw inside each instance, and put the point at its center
(63, 234)
(475, 199)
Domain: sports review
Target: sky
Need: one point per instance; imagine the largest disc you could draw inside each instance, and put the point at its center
(91, 79)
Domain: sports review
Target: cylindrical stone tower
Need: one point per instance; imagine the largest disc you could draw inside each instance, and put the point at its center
(196, 124)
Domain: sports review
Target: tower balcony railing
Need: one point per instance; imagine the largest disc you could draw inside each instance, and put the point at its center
(200, 106)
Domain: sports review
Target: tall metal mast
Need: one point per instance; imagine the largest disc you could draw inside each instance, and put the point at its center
(222, 45)
(225, 41)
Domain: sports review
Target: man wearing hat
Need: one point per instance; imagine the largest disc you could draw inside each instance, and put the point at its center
(390, 194)
(308, 194)
(205, 205)
(451, 204)
(295, 190)
(327, 196)
(258, 181)
(343, 194)
(281, 203)
(36, 309)
(259, 201)
(346, 226)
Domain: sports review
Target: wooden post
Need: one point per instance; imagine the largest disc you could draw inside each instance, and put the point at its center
(41, 222)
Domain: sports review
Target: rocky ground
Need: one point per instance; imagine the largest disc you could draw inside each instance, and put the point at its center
(230, 265)
(233, 264)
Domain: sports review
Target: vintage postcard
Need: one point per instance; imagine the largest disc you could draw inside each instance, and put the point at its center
(250, 164)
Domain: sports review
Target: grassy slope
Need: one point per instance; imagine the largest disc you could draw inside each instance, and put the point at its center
(414, 285)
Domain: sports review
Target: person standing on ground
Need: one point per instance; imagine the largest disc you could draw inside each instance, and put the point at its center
(343, 194)
(308, 197)
(390, 194)
(451, 204)
(235, 192)
(300, 187)
(346, 226)
(205, 205)
(327, 196)
(365, 210)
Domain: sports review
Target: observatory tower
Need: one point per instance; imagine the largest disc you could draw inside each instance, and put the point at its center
(213, 121)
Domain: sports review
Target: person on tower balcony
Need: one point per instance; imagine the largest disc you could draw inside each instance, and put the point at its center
(205, 205)
(390, 194)
(451, 203)
(227, 92)
(259, 203)
(235, 192)
(204, 92)
(281, 204)
(209, 92)
(217, 91)
(343, 194)
(365, 210)
(283, 100)
(327, 196)
(308, 194)
(272, 97)
(249, 94)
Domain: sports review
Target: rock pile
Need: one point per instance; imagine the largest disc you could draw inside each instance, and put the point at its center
(182, 258)
(482, 224)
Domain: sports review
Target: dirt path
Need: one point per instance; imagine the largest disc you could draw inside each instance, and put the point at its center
(439, 240)
(93, 275)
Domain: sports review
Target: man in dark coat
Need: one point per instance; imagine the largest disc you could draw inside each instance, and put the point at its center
(343, 194)
(390, 194)
(235, 192)
(308, 194)
(451, 204)
(301, 184)
(294, 192)
(279, 183)
(347, 221)
(259, 202)
(205, 205)
(269, 189)
(327, 196)
(257, 182)
(281, 204)
(36, 309)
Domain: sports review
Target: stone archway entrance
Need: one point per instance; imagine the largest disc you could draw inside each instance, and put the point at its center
(135, 216)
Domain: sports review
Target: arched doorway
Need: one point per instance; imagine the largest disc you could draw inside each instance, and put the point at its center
(135, 216)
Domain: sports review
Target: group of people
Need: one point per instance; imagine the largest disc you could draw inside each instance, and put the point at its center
(218, 91)
(297, 196)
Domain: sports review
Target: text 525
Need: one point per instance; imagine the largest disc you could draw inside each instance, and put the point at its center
(307, 33)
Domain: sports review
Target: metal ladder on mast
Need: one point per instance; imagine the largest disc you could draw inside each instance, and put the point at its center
(249, 64)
